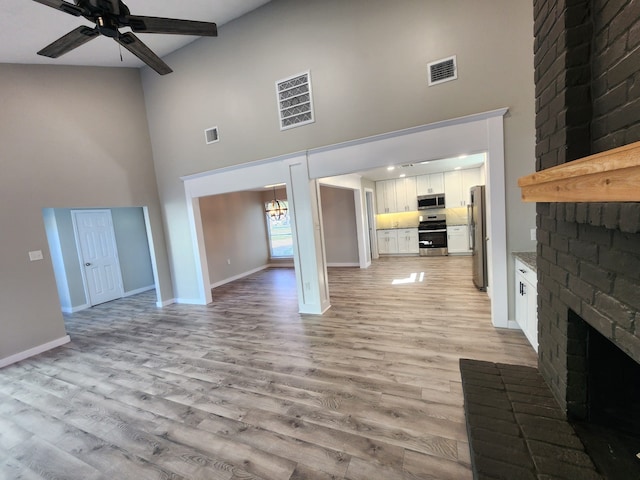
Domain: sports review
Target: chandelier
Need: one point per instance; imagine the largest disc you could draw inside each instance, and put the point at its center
(276, 209)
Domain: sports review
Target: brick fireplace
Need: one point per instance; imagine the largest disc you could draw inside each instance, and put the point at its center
(587, 72)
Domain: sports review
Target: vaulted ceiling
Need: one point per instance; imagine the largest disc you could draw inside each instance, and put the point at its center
(26, 27)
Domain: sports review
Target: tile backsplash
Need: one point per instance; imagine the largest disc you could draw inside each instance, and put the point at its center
(455, 216)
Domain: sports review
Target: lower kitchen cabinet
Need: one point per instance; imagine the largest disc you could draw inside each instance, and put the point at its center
(458, 239)
(387, 242)
(408, 240)
(397, 241)
(526, 282)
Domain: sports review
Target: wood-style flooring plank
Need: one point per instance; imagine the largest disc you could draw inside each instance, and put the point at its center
(248, 388)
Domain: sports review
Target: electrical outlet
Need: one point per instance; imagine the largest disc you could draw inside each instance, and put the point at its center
(35, 255)
(533, 234)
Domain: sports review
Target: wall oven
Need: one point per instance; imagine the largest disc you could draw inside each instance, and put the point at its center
(432, 235)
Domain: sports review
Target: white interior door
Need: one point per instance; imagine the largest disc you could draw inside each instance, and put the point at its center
(99, 255)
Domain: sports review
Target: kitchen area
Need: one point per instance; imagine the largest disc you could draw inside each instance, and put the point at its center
(433, 210)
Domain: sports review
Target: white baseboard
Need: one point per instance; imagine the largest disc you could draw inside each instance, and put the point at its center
(239, 276)
(79, 308)
(138, 290)
(34, 351)
(513, 325)
(188, 301)
(165, 303)
(281, 265)
(345, 264)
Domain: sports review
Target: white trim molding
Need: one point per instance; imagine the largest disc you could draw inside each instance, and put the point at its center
(239, 276)
(32, 352)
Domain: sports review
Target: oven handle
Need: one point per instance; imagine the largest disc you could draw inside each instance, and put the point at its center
(432, 231)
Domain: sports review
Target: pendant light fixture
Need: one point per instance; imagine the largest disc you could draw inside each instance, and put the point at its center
(276, 209)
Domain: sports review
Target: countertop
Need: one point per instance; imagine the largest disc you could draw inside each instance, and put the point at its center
(400, 227)
(528, 258)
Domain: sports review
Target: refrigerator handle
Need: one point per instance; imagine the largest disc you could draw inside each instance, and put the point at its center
(472, 227)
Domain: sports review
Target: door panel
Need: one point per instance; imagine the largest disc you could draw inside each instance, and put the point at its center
(99, 255)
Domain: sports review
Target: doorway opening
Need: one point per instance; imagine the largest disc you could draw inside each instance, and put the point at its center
(116, 245)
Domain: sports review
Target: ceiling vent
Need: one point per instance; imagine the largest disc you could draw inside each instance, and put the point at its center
(443, 70)
(295, 102)
(211, 135)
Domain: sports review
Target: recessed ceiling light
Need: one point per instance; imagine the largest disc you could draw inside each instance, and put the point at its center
(458, 168)
(425, 162)
(391, 168)
(462, 156)
(403, 175)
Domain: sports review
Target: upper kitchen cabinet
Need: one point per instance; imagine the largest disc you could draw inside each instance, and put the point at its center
(386, 196)
(457, 185)
(429, 184)
(406, 196)
(397, 195)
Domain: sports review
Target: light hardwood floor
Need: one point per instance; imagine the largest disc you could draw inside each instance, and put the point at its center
(247, 388)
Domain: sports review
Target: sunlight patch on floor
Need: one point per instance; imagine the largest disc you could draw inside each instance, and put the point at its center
(413, 278)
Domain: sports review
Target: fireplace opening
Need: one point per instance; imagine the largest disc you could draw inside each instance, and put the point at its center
(605, 409)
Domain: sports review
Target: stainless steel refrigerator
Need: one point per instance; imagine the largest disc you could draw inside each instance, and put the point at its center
(478, 236)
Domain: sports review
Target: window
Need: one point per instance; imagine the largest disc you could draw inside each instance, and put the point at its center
(280, 238)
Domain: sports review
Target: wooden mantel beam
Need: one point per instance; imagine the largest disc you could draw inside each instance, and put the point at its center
(611, 176)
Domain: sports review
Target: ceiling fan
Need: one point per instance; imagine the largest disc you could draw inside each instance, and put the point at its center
(109, 16)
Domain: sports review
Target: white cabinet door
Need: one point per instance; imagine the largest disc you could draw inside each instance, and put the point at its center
(408, 240)
(406, 196)
(386, 196)
(527, 302)
(437, 182)
(457, 185)
(453, 196)
(470, 178)
(387, 242)
(458, 239)
(430, 184)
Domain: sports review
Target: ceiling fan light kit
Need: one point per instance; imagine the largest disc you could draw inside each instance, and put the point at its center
(111, 15)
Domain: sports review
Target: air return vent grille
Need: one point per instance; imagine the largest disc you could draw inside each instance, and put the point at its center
(443, 70)
(295, 101)
(211, 135)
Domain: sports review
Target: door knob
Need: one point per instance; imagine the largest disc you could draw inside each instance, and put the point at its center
(87, 264)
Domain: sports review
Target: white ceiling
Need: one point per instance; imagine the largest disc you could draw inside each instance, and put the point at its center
(27, 26)
(433, 166)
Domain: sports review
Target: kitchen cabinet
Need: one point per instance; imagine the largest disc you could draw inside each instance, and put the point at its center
(386, 196)
(397, 241)
(458, 239)
(457, 185)
(430, 184)
(397, 195)
(387, 242)
(408, 240)
(406, 196)
(526, 283)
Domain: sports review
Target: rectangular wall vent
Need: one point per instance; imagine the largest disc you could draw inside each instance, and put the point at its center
(211, 135)
(443, 70)
(295, 101)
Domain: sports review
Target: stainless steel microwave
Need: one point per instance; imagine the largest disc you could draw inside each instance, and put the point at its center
(426, 202)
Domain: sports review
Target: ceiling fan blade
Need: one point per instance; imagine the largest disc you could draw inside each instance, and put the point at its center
(71, 40)
(171, 26)
(144, 53)
(61, 5)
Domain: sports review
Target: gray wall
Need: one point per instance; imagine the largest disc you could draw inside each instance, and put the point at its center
(131, 242)
(234, 229)
(69, 136)
(368, 62)
(339, 225)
